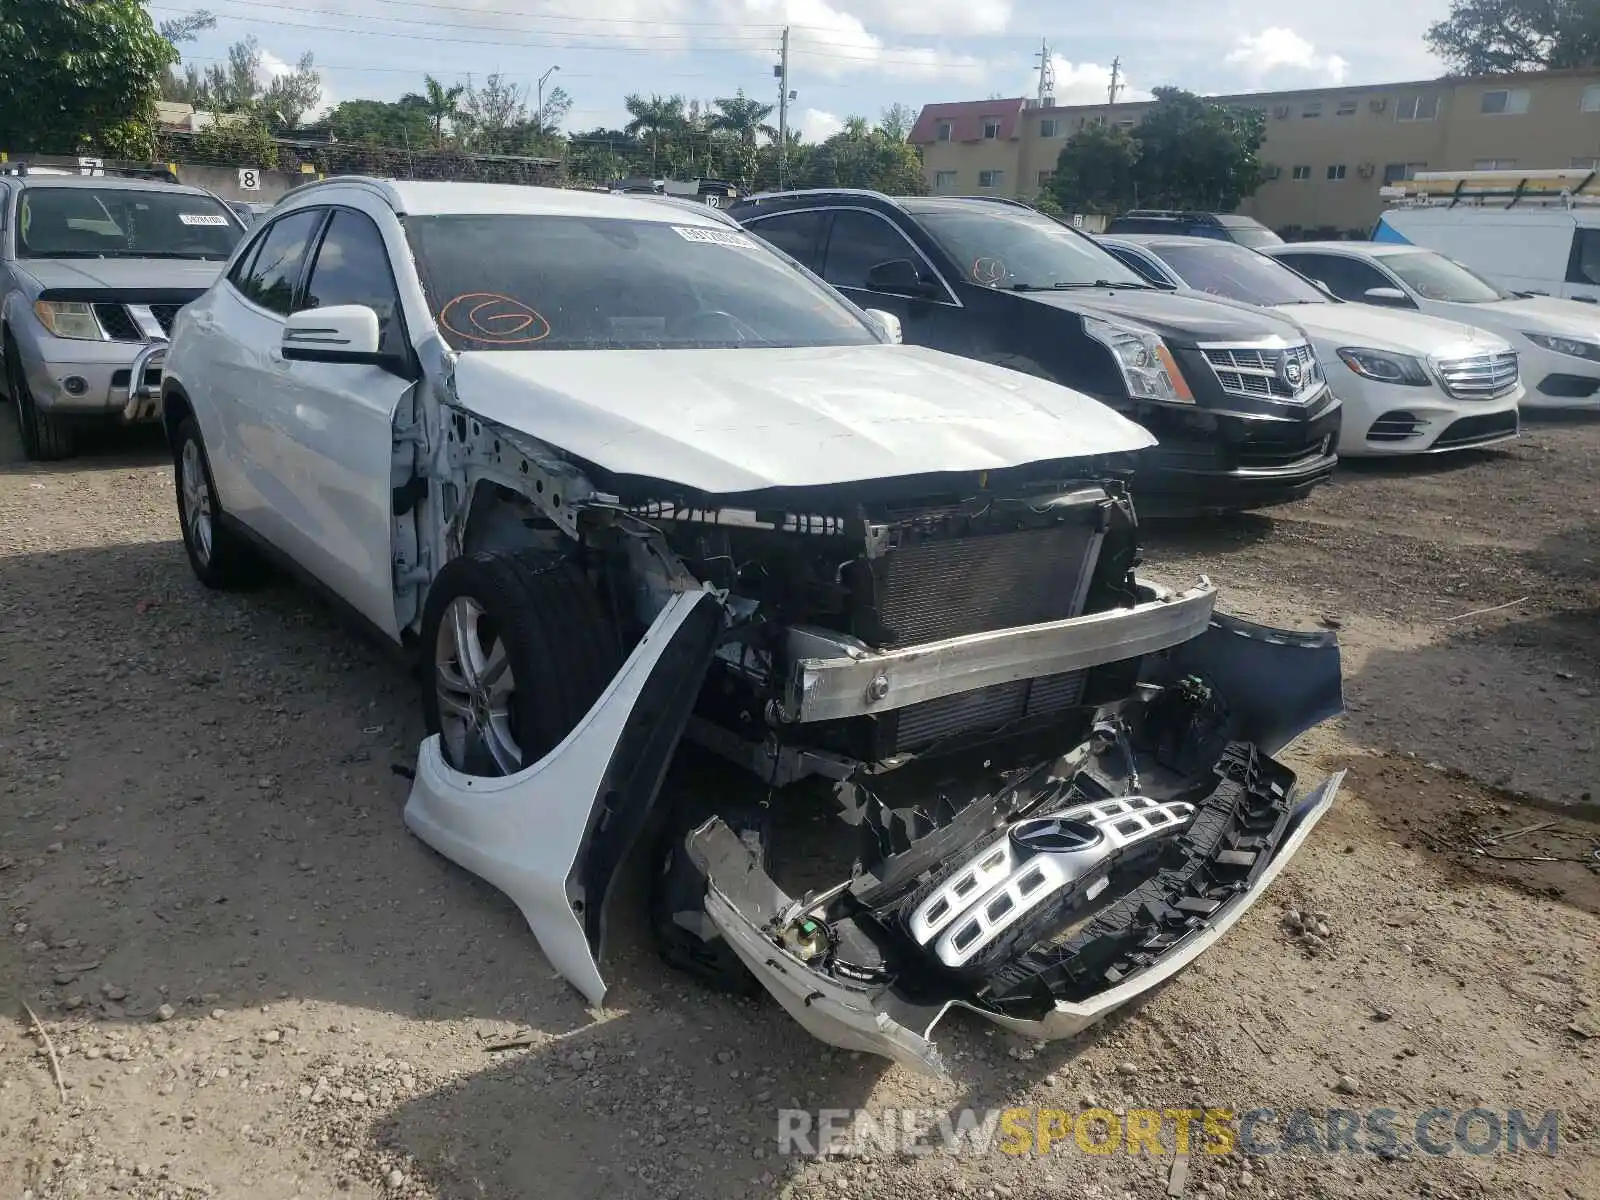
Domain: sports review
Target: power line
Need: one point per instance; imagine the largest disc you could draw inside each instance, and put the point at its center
(869, 57)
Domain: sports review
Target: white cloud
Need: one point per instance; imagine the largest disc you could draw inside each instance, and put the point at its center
(1082, 83)
(1276, 51)
(831, 43)
(930, 18)
(817, 126)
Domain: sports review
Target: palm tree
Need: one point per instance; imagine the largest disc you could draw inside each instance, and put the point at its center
(742, 118)
(443, 104)
(856, 128)
(655, 119)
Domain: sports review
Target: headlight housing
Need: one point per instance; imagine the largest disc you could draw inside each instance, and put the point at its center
(1385, 366)
(1575, 347)
(69, 319)
(1148, 369)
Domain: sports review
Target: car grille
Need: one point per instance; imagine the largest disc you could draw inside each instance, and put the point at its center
(119, 323)
(1481, 377)
(945, 587)
(1262, 374)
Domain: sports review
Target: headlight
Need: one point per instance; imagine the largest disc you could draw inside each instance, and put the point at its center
(1148, 368)
(1565, 345)
(68, 319)
(1384, 367)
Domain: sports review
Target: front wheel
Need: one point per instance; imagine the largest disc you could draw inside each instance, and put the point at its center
(520, 648)
(46, 436)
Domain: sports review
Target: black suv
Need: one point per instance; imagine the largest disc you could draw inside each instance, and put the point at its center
(1234, 396)
(1225, 227)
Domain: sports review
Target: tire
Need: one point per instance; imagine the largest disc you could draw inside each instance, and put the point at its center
(542, 649)
(220, 558)
(684, 936)
(46, 437)
(1018, 362)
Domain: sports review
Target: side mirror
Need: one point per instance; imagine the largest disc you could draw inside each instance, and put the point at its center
(1387, 296)
(340, 333)
(899, 277)
(888, 324)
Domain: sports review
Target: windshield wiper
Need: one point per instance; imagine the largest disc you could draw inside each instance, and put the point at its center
(1062, 287)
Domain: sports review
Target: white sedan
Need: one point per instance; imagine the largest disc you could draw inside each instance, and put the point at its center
(623, 477)
(1557, 341)
(1410, 384)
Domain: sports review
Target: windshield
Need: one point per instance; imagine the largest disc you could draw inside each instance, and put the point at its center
(1435, 277)
(1226, 269)
(1010, 248)
(110, 222)
(1244, 235)
(518, 282)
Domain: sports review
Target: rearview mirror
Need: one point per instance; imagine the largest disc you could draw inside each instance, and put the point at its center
(899, 277)
(340, 333)
(888, 324)
(1391, 297)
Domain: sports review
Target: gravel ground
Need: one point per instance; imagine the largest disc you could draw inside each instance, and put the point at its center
(258, 984)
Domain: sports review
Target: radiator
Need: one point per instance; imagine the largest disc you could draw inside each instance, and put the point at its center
(942, 587)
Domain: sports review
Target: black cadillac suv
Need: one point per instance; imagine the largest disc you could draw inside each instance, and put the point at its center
(1235, 397)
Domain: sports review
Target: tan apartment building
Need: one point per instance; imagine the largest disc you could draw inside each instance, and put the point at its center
(1327, 150)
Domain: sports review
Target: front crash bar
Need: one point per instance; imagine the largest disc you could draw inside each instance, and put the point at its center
(144, 401)
(864, 682)
(552, 835)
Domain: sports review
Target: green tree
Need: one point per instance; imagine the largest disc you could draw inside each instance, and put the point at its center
(80, 74)
(1482, 37)
(244, 85)
(1195, 153)
(1096, 171)
(404, 124)
(492, 116)
(656, 122)
(741, 118)
(443, 104)
(896, 122)
(859, 157)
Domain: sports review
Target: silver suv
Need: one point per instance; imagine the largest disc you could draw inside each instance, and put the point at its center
(93, 269)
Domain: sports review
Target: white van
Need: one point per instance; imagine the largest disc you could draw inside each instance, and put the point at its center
(1533, 232)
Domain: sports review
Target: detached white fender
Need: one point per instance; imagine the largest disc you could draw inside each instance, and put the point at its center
(552, 835)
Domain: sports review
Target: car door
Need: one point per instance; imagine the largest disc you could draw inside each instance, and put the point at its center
(1583, 268)
(331, 427)
(859, 240)
(237, 370)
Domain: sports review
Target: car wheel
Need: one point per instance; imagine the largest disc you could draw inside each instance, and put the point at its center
(521, 648)
(221, 559)
(46, 437)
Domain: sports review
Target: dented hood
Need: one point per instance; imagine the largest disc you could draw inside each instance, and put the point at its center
(730, 421)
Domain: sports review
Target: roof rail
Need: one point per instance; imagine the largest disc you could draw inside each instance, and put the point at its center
(785, 194)
(316, 183)
(1174, 213)
(88, 167)
(1566, 188)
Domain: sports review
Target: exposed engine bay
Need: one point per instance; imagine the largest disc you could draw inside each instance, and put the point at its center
(1052, 780)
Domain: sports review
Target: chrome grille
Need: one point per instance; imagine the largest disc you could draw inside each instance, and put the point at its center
(1265, 374)
(119, 326)
(165, 314)
(1481, 377)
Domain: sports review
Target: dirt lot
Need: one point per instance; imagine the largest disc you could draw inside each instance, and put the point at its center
(258, 984)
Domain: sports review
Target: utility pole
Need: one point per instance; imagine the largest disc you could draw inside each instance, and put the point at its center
(1116, 86)
(540, 88)
(782, 72)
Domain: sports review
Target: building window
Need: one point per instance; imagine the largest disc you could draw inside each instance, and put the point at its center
(1302, 173)
(1591, 99)
(990, 179)
(945, 181)
(1346, 107)
(1336, 172)
(1126, 124)
(1045, 177)
(1314, 109)
(1506, 102)
(1494, 164)
(991, 128)
(1049, 127)
(1417, 108)
(942, 133)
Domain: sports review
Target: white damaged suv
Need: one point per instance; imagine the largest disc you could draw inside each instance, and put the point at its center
(686, 545)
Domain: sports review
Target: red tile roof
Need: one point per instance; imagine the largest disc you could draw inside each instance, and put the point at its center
(966, 119)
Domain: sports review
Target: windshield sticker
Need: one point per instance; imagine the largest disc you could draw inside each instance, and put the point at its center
(988, 271)
(493, 319)
(714, 237)
(202, 218)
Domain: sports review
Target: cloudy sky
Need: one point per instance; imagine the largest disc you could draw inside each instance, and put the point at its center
(847, 56)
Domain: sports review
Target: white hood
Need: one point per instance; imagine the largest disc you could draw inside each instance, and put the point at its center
(1536, 314)
(728, 421)
(1364, 326)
